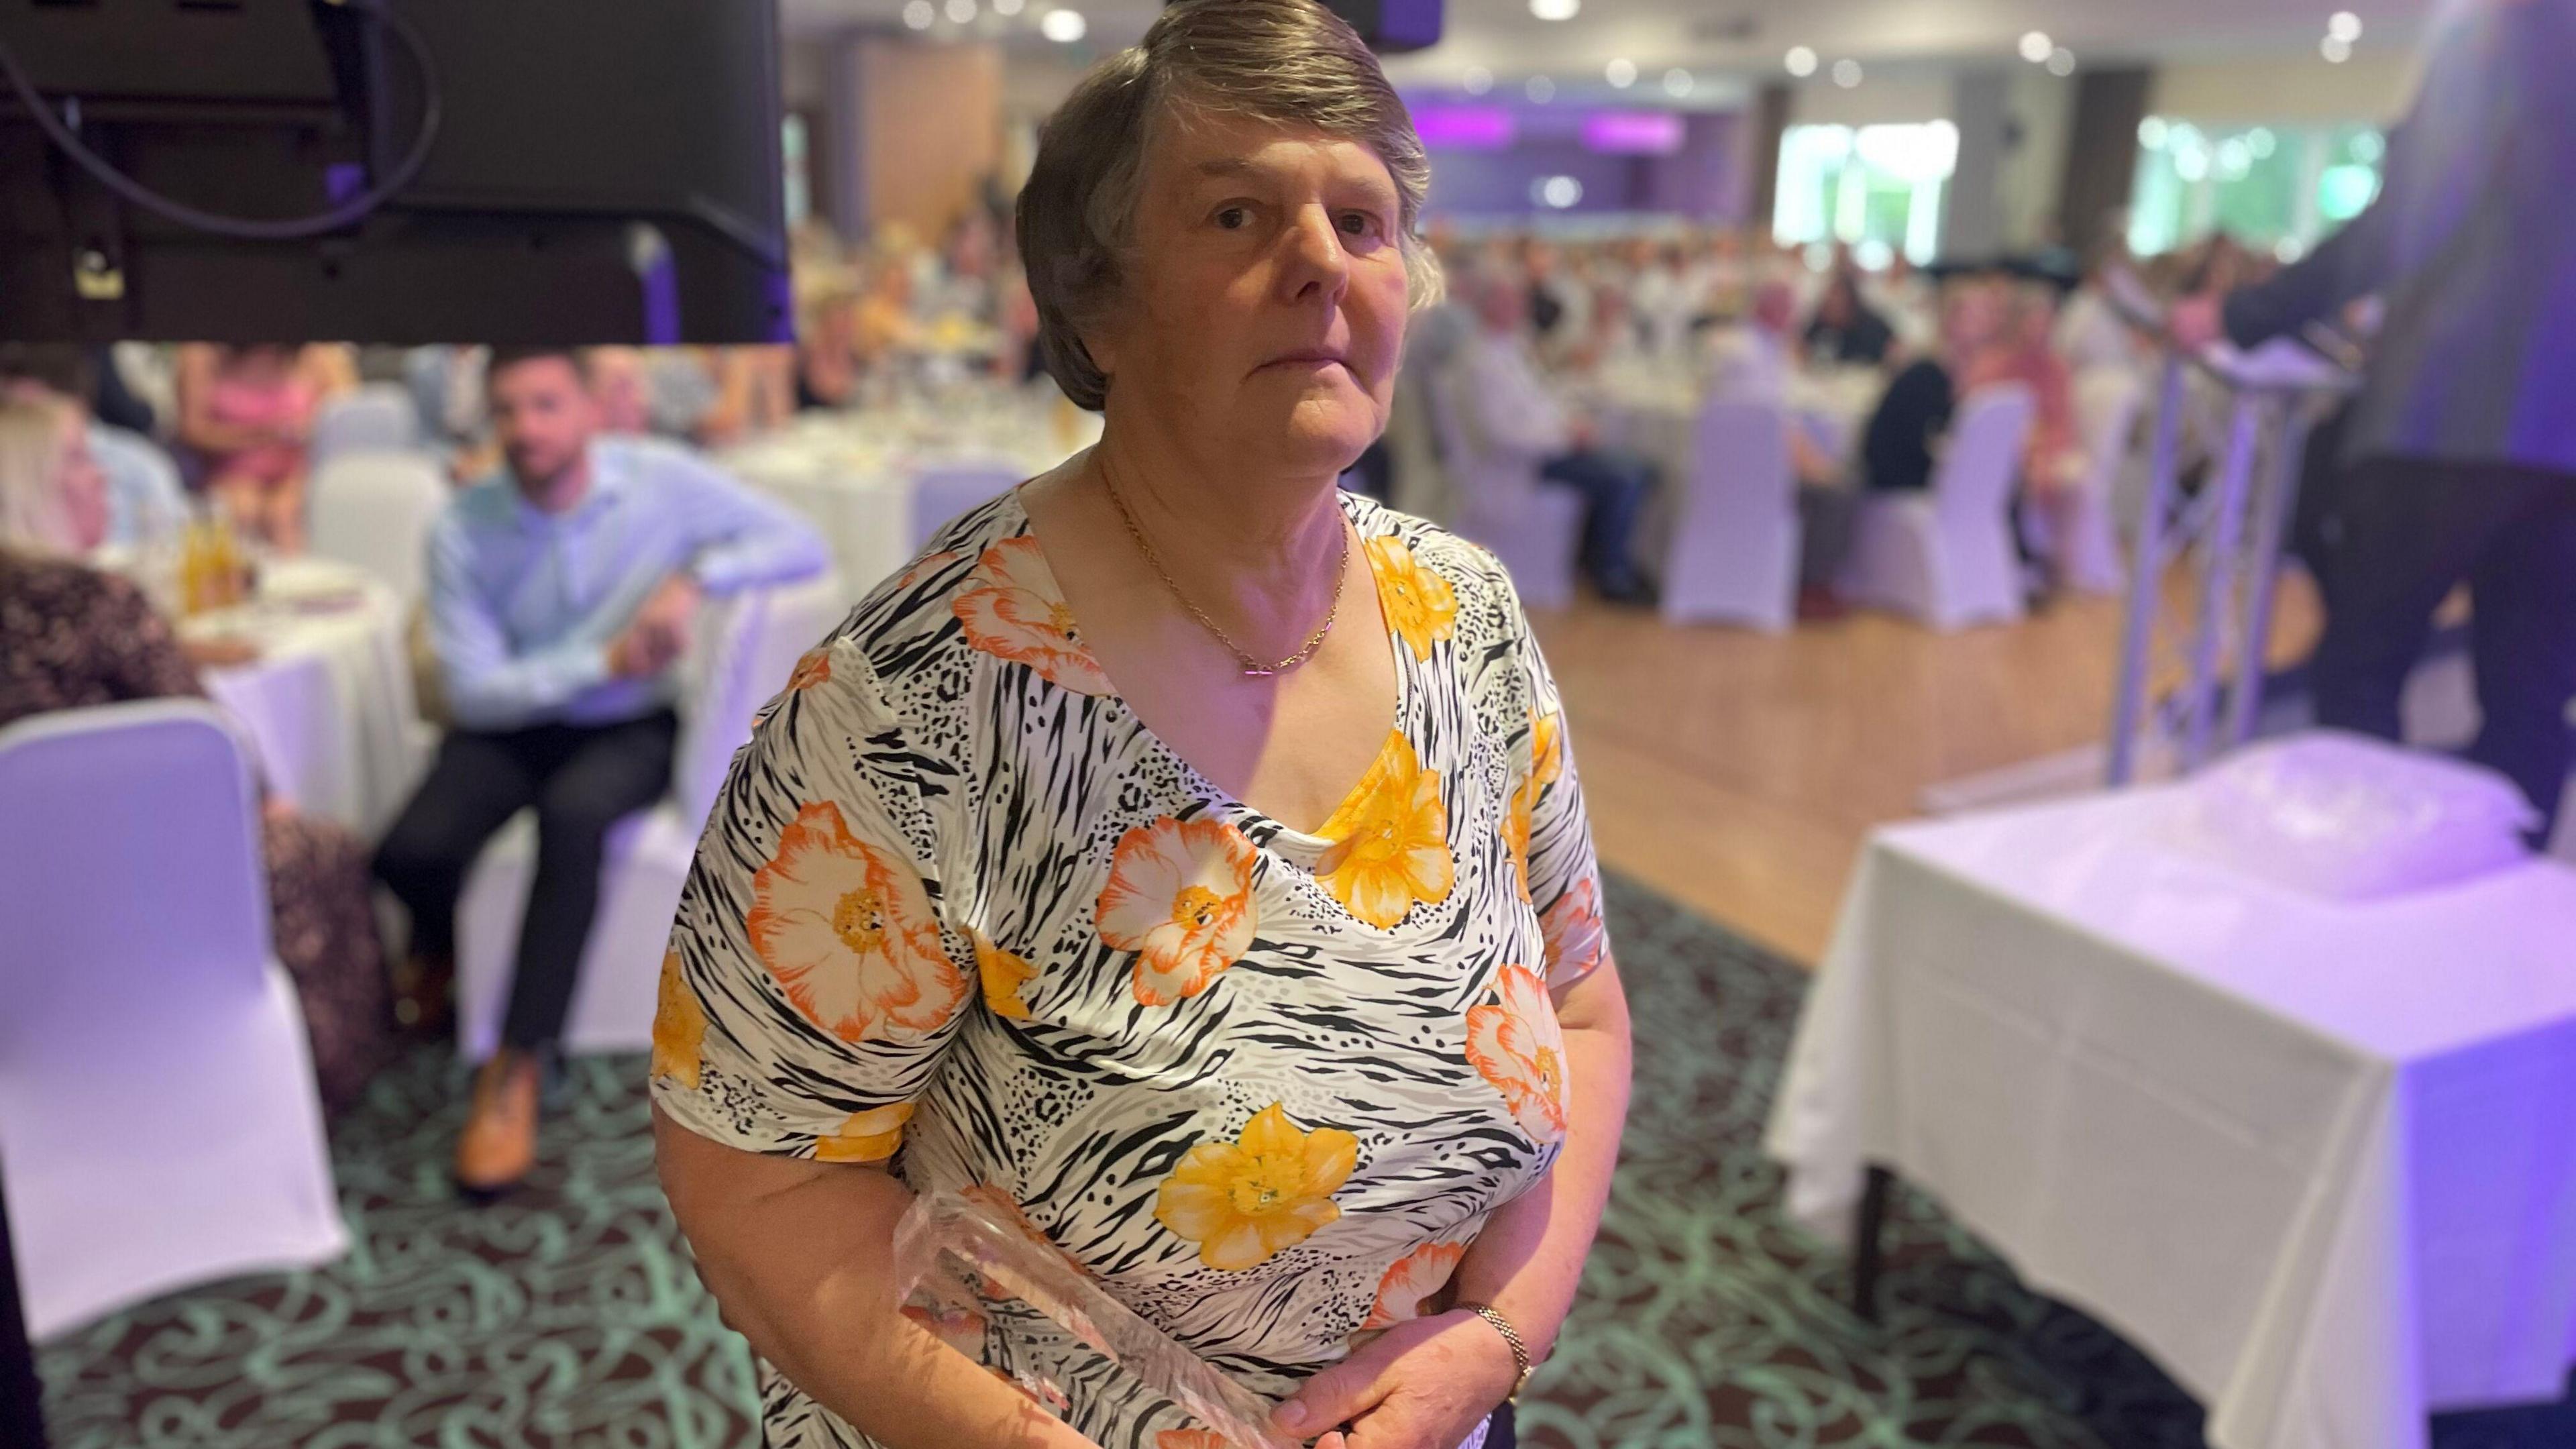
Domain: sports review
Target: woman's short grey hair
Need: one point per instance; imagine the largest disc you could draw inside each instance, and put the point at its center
(1292, 62)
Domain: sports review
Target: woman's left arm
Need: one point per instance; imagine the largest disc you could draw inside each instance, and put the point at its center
(1426, 1384)
(1530, 1255)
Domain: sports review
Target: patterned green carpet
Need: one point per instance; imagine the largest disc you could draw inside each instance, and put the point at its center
(569, 1318)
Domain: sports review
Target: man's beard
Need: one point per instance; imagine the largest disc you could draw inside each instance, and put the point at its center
(533, 478)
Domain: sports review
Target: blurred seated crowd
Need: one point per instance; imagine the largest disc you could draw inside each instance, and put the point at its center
(586, 521)
(1549, 339)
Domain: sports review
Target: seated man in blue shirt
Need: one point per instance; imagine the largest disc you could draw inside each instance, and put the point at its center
(561, 592)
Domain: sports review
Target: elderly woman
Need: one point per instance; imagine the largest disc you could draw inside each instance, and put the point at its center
(1182, 854)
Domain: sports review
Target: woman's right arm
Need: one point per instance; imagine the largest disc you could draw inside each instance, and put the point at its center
(824, 1312)
(809, 996)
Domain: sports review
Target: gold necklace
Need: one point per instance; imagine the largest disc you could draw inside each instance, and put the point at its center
(1252, 668)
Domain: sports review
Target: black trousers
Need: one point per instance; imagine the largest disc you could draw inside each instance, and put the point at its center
(581, 780)
(2410, 531)
(1614, 486)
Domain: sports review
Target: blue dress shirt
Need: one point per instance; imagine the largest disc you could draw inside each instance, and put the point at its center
(523, 604)
(145, 502)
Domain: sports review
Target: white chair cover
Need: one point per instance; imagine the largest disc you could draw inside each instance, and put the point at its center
(378, 417)
(1734, 554)
(372, 510)
(1945, 556)
(749, 645)
(157, 1107)
(942, 492)
(2106, 409)
(1499, 502)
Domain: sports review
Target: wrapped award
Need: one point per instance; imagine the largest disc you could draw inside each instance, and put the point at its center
(957, 1255)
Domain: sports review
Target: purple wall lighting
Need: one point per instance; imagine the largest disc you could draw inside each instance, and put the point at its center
(1633, 133)
(1465, 128)
(1494, 158)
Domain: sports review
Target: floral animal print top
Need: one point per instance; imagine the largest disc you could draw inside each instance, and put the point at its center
(958, 910)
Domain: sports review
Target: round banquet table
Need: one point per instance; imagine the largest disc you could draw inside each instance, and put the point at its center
(1656, 414)
(1833, 408)
(868, 480)
(1653, 412)
(861, 506)
(328, 704)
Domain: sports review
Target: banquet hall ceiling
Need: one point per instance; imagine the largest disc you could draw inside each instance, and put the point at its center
(1752, 35)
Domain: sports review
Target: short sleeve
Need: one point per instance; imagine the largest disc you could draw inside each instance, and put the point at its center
(1564, 876)
(811, 986)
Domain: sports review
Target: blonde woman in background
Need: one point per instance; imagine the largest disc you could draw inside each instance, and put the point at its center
(828, 366)
(755, 393)
(72, 636)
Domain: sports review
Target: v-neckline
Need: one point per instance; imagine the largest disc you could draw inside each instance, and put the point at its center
(1310, 842)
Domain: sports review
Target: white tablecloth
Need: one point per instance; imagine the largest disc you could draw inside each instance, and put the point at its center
(329, 704)
(1833, 407)
(1653, 412)
(2318, 1160)
(1656, 415)
(857, 476)
(863, 511)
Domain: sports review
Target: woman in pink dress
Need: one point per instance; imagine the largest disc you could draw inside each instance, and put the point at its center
(2053, 460)
(247, 414)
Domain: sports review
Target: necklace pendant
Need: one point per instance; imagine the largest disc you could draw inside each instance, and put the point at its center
(1257, 672)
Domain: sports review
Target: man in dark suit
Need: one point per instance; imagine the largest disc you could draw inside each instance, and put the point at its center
(2461, 449)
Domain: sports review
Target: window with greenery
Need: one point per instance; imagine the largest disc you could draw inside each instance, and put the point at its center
(2281, 187)
(1877, 188)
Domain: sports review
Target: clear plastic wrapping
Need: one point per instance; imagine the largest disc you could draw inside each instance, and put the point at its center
(954, 1255)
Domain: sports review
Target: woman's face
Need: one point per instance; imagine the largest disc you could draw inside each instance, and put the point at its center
(259, 363)
(1265, 300)
(617, 385)
(1972, 317)
(83, 485)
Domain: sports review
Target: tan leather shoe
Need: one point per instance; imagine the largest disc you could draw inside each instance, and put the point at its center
(499, 1143)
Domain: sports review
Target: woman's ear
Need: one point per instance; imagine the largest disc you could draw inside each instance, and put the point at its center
(1102, 348)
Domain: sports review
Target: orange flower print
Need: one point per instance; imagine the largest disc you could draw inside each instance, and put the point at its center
(1573, 930)
(1547, 747)
(1244, 1201)
(679, 1027)
(846, 929)
(1516, 834)
(813, 669)
(1003, 974)
(870, 1136)
(1517, 1046)
(960, 1328)
(1390, 840)
(1415, 1277)
(1013, 611)
(1191, 1439)
(1419, 604)
(926, 565)
(1180, 896)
